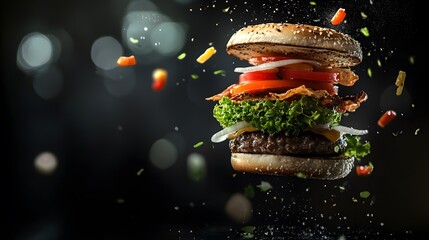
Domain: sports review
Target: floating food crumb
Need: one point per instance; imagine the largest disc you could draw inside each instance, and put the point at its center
(198, 144)
(417, 131)
(386, 118)
(159, 79)
(312, 3)
(339, 16)
(363, 15)
(364, 194)
(400, 81)
(220, 72)
(181, 56)
(126, 61)
(264, 186)
(195, 76)
(369, 72)
(365, 31)
(411, 59)
(140, 172)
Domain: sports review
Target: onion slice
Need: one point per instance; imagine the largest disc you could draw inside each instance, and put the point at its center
(343, 129)
(271, 65)
(222, 135)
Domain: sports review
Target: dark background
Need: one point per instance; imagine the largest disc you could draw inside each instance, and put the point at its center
(102, 140)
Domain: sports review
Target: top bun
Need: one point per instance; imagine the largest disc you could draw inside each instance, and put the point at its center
(329, 47)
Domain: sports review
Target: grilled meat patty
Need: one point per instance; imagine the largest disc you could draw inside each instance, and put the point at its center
(307, 144)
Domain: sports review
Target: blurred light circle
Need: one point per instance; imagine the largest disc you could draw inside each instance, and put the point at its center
(183, 1)
(140, 5)
(48, 83)
(196, 166)
(168, 38)
(120, 81)
(239, 208)
(105, 52)
(45, 163)
(34, 51)
(139, 25)
(163, 154)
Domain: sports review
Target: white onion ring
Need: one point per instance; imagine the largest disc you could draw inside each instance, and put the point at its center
(222, 135)
(271, 65)
(343, 129)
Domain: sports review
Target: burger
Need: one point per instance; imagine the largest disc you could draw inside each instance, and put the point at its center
(283, 115)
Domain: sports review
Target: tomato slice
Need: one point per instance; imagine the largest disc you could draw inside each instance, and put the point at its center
(264, 59)
(287, 73)
(259, 75)
(364, 170)
(279, 85)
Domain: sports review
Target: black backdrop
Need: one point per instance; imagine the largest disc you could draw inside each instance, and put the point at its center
(102, 140)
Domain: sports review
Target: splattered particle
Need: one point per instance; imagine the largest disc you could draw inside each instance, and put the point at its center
(379, 62)
(198, 144)
(220, 72)
(364, 194)
(225, 10)
(363, 15)
(411, 59)
(365, 31)
(264, 186)
(195, 76)
(181, 56)
(417, 131)
(140, 172)
(312, 3)
(369, 72)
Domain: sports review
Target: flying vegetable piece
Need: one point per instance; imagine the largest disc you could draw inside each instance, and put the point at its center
(386, 118)
(206, 55)
(400, 81)
(159, 79)
(339, 16)
(126, 61)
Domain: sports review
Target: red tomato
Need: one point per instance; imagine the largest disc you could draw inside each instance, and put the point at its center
(264, 59)
(259, 75)
(287, 73)
(364, 170)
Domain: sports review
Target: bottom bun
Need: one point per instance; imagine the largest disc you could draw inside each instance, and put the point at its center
(309, 167)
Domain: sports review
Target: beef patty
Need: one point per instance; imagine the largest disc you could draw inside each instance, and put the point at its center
(307, 144)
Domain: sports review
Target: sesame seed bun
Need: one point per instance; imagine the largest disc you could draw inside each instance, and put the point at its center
(329, 47)
(282, 165)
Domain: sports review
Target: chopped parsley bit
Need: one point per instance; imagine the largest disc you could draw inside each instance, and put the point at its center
(313, 3)
(247, 232)
(194, 76)
(365, 31)
(249, 191)
(411, 59)
(369, 71)
(364, 194)
(379, 62)
(417, 131)
(181, 56)
(220, 72)
(133, 40)
(198, 144)
(363, 15)
(264, 186)
(354, 199)
(140, 172)
(225, 10)
(301, 175)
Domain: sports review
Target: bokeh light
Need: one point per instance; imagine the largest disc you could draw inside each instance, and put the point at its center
(120, 81)
(151, 34)
(163, 154)
(35, 51)
(239, 208)
(197, 168)
(48, 83)
(46, 163)
(105, 51)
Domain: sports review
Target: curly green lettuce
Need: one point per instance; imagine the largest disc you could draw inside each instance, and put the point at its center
(356, 148)
(276, 116)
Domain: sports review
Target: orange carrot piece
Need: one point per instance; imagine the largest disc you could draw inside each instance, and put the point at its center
(126, 61)
(339, 16)
(159, 79)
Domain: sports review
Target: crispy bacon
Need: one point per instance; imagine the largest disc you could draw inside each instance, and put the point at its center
(344, 104)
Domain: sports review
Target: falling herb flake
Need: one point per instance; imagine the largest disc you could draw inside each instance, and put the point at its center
(411, 59)
(249, 191)
(120, 200)
(364, 194)
(140, 172)
(369, 71)
(363, 15)
(301, 175)
(133, 40)
(264, 186)
(220, 72)
(181, 56)
(417, 131)
(365, 31)
(379, 62)
(336, 148)
(195, 76)
(354, 199)
(225, 10)
(312, 3)
(248, 232)
(198, 144)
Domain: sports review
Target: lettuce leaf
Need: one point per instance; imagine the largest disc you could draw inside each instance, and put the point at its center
(356, 148)
(276, 116)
